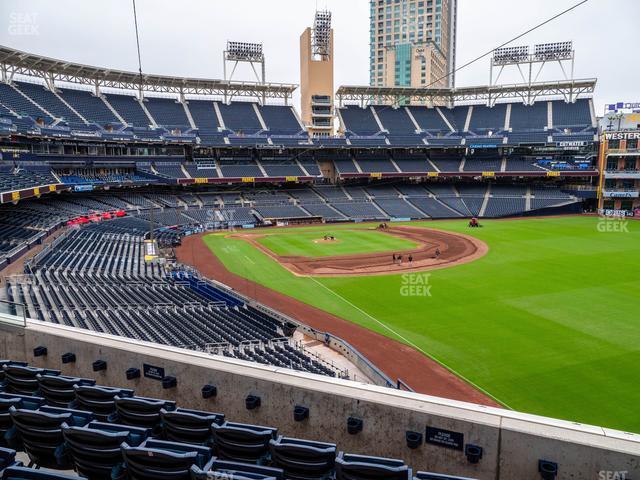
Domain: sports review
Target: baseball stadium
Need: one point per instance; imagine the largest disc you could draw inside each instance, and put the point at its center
(403, 280)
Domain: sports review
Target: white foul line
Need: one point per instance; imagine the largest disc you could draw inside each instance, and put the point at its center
(409, 342)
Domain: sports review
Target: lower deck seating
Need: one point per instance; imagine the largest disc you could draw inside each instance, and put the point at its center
(281, 211)
(504, 207)
(323, 210)
(360, 210)
(31, 221)
(433, 208)
(97, 279)
(399, 208)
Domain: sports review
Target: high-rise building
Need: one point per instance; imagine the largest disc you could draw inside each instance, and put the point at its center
(413, 43)
(316, 76)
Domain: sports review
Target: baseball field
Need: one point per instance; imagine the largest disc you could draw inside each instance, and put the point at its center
(546, 322)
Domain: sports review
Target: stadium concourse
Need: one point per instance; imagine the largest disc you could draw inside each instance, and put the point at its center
(105, 193)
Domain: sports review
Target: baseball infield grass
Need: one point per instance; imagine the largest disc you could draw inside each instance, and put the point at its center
(347, 242)
(548, 322)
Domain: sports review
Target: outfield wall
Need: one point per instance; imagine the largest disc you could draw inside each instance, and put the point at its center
(512, 442)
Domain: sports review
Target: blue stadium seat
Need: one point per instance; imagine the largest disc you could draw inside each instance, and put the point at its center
(280, 119)
(3, 383)
(528, 117)
(40, 431)
(7, 458)
(89, 106)
(189, 426)
(20, 105)
(240, 117)
(572, 115)
(58, 389)
(242, 442)
(95, 448)
(22, 379)
(7, 401)
(129, 109)
(303, 459)
(396, 121)
(358, 120)
(486, 118)
(24, 473)
(99, 400)
(141, 411)
(49, 101)
(363, 467)
(160, 460)
(224, 469)
(429, 119)
(167, 112)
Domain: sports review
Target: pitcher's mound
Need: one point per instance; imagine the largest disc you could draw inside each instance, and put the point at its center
(322, 240)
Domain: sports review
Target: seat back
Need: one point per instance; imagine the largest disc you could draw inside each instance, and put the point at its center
(95, 448)
(363, 467)
(141, 411)
(189, 426)
(58, 389)
(41, 435)
(22, 473)
(242, 442)
(217, 468)
(303, 459)
(7, 458)
(161, 460)
(8, 400)
(99, 400)
(22, 379)
(4, 362)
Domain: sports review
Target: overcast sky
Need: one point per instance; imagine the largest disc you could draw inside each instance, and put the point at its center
(186, 37)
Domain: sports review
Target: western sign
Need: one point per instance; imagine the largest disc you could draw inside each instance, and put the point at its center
(622, 136)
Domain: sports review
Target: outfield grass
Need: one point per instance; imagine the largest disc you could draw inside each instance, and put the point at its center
(347, 242)
(547, 322)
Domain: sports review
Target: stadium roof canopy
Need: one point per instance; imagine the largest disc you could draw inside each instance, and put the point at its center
(528, 93)
(16, 62)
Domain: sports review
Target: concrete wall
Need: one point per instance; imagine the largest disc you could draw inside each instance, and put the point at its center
(512, 442)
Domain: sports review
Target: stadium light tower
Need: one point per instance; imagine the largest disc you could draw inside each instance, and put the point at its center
(321, 35)
(316, 76)
(543, 54)
(251, 53)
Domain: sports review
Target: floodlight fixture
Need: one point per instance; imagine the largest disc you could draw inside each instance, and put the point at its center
(321, 35)
(553, 51)
(507, 55)
(244, 51)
